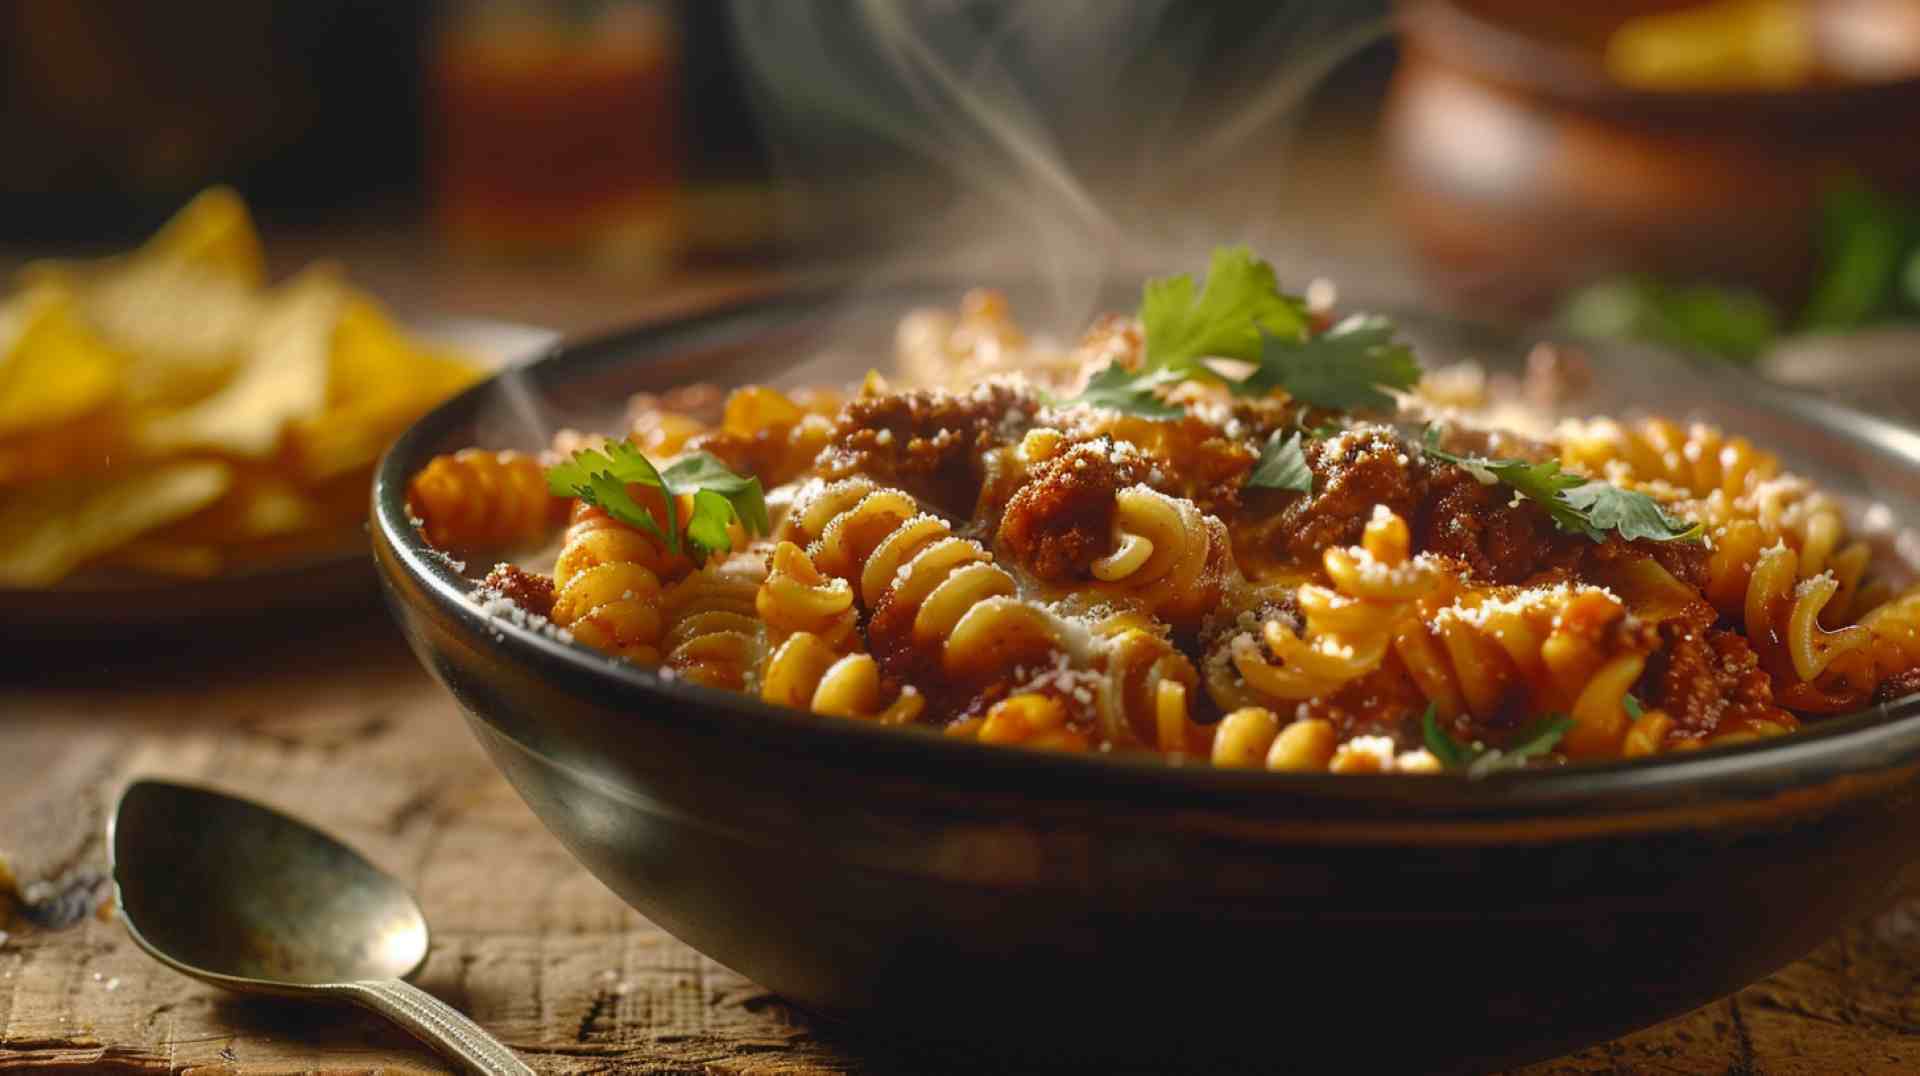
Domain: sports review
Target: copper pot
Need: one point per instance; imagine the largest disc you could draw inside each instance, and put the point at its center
(1518, 168)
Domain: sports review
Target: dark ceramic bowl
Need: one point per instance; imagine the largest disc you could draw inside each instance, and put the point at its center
(1043, 906)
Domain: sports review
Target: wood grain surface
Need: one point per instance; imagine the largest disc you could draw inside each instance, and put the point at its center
(335, 723)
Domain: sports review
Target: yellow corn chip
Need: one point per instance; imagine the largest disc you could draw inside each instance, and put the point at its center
(212, 235)
(282, 378)
(51, 368)
(50, 528)
(379, 380)
(182, 308)
(213, 232)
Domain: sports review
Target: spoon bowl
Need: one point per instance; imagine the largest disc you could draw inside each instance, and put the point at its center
(231, 892)
(245, 898)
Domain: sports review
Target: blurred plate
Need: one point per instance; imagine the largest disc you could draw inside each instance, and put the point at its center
(338, 577)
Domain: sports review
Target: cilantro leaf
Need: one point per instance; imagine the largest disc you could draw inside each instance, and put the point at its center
(1128, 392)
(1342, 369)
(743, 496)
(601, 477)
(1283, 465)
(1632, 515)
(1577, 504)
(1241, 314)
(1241, 303)
(1478, 760)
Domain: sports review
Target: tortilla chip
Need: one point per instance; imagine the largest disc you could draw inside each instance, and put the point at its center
(214, 232)
(282, 378)
(50, 528)
(379, 380)
(51, 368)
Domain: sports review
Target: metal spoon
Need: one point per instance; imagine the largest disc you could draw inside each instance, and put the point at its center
(248, 899)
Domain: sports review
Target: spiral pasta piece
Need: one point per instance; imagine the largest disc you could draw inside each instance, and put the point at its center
(1892, 647)
(1143, 695)
(1738, 492)
(797, 597)
(1536, 650)
(1349, 625)
(926, 590)
(1698, 458)
(475, 500)
(1783, 609)
(808, 673)
(817, 504)
(711, 633)
(1168, 555)
(606, 586)
(1029, 719)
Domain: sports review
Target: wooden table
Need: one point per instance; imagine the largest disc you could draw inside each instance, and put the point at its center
(336, 723)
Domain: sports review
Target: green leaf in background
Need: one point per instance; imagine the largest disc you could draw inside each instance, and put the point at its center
(1910, 282)
(1864, 239)
(1733, 323)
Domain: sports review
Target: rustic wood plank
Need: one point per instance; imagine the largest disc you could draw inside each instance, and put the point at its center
(551, 962)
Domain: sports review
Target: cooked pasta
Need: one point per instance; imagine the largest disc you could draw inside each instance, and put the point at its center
(1167, 555)
(1348, 629)
(1739, 492)
(807, 673)
(1182, 565)
(478, 501)
(607, 586)
(712, 634)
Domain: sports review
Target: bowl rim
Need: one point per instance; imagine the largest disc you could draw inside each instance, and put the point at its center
(1882, 740)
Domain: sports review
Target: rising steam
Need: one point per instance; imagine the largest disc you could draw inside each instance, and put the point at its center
(1074, 141)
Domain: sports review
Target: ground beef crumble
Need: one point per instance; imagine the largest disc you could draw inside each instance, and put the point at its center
(1352, 472)
(1704, 677)
(928, 442)
(1061, 519)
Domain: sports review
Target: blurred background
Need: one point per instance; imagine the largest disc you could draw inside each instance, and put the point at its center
(1717, 175)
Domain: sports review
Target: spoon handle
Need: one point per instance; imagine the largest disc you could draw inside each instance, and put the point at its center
(437, 1024)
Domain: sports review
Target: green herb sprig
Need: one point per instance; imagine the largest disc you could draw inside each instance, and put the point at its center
(601, 477)
(1577, 504)
(1478, 760)
(1282, 465)
(1241, 314)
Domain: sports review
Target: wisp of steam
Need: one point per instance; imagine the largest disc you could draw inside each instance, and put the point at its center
(1070, 142)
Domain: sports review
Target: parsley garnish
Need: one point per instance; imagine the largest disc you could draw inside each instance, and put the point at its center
(1342, 369)
(1242, 314)
(1120, 389)
(1240, 306)
(719, 496)
(1577, 504)
(1283, 465)
(1477, 760)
